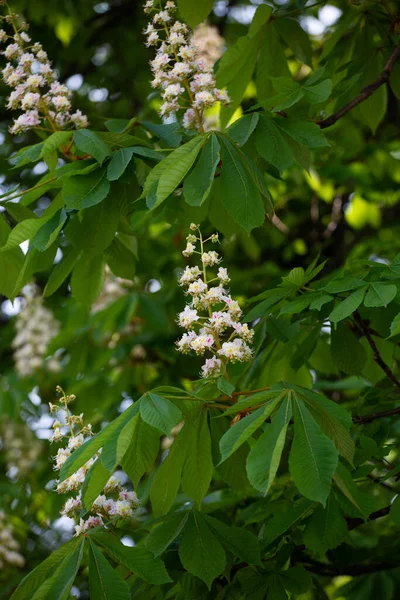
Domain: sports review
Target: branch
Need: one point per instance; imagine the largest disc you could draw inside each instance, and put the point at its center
(365, 93)
(377, 356)
(359, 419)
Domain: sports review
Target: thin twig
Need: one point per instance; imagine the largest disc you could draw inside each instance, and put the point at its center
(377, 356)
(365, 93)
(359, 419)
(335, 217)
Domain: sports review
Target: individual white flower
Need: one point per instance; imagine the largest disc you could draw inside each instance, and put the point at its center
(75, 441)
(223, 275)
(221, 321)
(61, 103)
(169, 107)
(188, 251)
(197, 287)
(173, 90)
(212, 366)
(188, 317)
(176, 39)
(184, 344)
(79, 120)
(180, 69)
(233, 307)
(30, 100)
(35, 81)
(203, 99)
(201, 343)
(122, 508)
(3, 36)
(189, 119)
(162, 17)
(12, 51)
(152, 39)
(61, 457)
(189, 275)
(148, 6)
(112, 485)
(222, 96)
(210, 258)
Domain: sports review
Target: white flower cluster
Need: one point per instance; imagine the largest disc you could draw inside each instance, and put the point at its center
(209, 43)
(36, 327)
(114, 287)
(9, 546)
(186, 80)
(21, 448)
(219, 330)
(45, 102)
(122, 502)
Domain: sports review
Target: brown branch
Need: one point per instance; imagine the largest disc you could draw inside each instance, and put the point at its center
(356, 522)
(377, 356)
(365, 93)
(369, 418)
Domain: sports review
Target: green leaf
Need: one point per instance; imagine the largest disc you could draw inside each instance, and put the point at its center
(83, 191)
(261, 16)
(89, 142)
(165, 533)
(394, 80)
(264, 457)
(380, 294)
(61, 271)
(185, 156)
(35, 578)
(240, 195)
(296, 38)
(373, 109)
(336, 286)
(170, 133)
(241, 130)
(95, 481)
(27, 155)
(345, 308)
(225, 386)
(304, 132)
(159, 412)
(200, 552)
(395, 326)
(319, 92)
(243, 429)
(313, 458)
(326, 528)
(272, 61)
(118, 163)
(167, 480)
(194, 13)
(48, 233)
(198, 468)
(104, 582)
(359, 500)
(272, 146)
(283, 520)
(197, 184)
(240, 542)
(58, 585)
(347, 353)
(179, 162)
(142, 450)
(54, 141)
(138, 560)
(88, 279)
(116, 445)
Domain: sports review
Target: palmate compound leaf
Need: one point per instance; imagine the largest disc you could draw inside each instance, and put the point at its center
(200, 551)
(264, 457)
(313, 457)
(104, 581)
(239, 191)
(197, 185)
(243, 429)
(241, 130)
